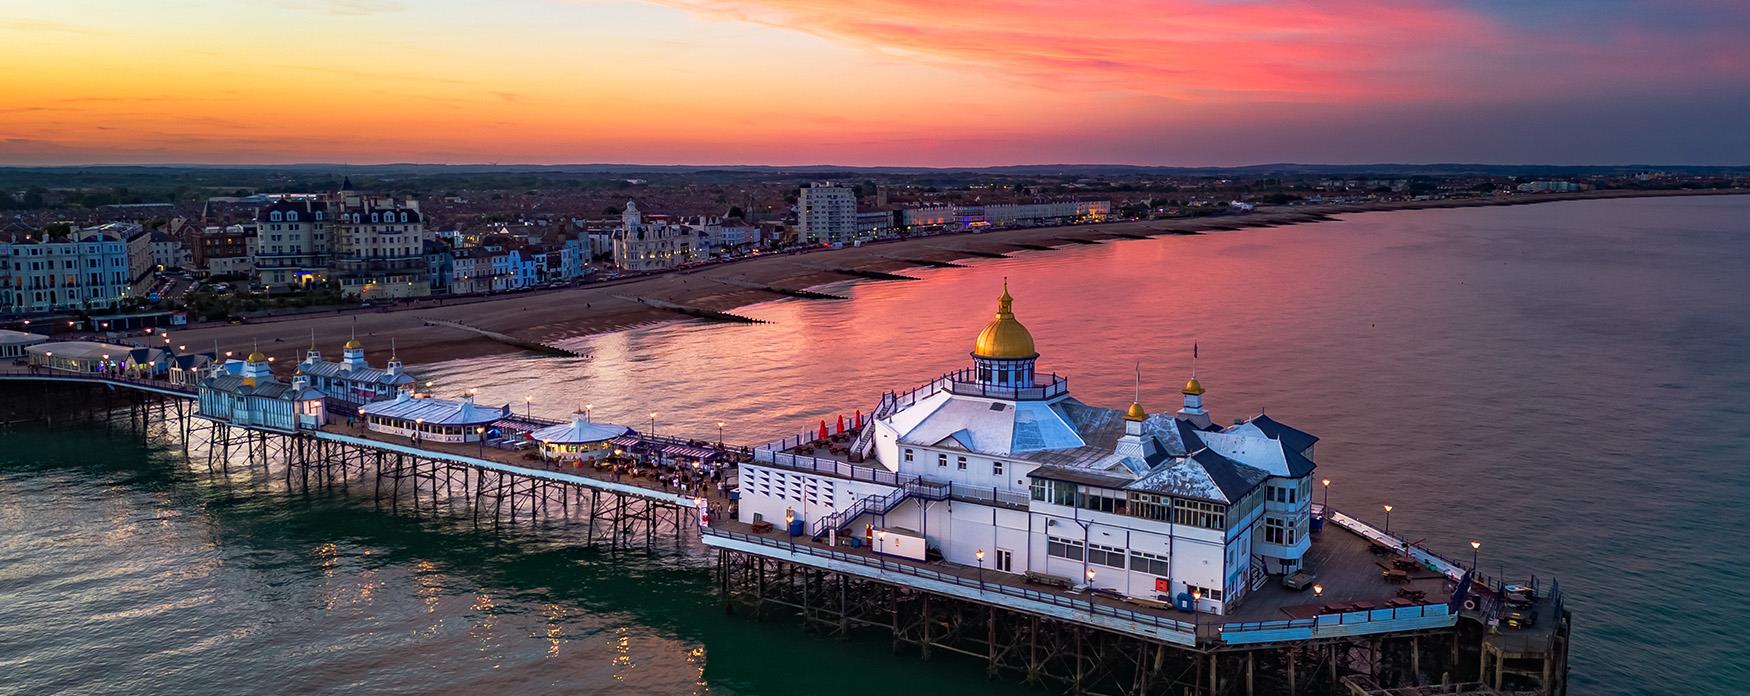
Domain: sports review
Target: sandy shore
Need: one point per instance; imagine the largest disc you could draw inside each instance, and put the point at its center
(549, 316)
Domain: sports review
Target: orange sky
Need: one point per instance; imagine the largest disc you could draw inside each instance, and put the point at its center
(824, 81)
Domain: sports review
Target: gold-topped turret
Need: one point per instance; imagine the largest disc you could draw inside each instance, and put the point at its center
(256, 357)
(1136, 413)
(354, 344)
(1193, 388)
(1004, 338)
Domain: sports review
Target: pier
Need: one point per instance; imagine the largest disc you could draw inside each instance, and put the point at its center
(1441, 630)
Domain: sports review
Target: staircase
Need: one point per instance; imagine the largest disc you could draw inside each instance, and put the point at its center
(879, 505)
(864, 446)
(1259, 576)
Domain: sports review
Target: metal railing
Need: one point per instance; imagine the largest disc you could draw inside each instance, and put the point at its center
(784, 460)
(971, 583)
(100, 377)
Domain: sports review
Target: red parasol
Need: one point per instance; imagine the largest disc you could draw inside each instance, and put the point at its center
(841, 424)
(859, 422)
(823, 428)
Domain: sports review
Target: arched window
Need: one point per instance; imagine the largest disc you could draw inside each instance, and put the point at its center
(292, 217)
(373, 217)
(274, 216)
(404, 217)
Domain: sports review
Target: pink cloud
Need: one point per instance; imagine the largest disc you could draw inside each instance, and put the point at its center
(1194, 50)
(1329, 51)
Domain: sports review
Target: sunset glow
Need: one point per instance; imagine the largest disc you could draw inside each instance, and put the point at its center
(894, 82)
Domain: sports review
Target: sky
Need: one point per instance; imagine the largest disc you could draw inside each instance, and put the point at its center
(874, 82)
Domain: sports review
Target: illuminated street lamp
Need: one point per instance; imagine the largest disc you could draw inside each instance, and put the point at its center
(1388, 519)
(1327, 483)
(653, 424)
(1318, 591)
(980, 554)
(480, 439)
(720, 434)
(1090, 590)
(529, 406)
(1475, 545)
(589, 412)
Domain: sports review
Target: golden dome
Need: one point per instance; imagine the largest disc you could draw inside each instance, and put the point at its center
(1004, 338)
(1194, 387)
(257, 357)
(1136, 413)
(353, 345)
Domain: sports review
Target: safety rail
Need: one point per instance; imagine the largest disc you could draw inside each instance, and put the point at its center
(768, 456)
(971, 583)
(157, 384)
(865, 443)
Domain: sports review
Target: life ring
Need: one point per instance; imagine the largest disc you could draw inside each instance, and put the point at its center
(1470, 604)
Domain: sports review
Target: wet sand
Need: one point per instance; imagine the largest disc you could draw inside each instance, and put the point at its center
(555, 315)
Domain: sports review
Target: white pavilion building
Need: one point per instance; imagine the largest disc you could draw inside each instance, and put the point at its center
(438, 420)
(352, 379)
(253, 397)
(1000, 467)
(579, 440)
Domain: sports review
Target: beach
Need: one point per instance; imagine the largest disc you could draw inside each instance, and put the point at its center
(431, 332)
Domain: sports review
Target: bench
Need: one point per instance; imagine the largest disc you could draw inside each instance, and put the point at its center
(1034, 577)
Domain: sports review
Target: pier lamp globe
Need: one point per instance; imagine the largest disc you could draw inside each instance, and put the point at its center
(980, 554)
(1327, 503)
(1318, 590)
(1475, 545)
(1388, 519)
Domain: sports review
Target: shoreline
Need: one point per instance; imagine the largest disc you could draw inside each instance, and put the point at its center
(421, 336)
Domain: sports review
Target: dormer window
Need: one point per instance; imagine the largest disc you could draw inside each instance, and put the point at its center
(291, 217)
(318, 216)
(404, 217)
(274, 216)
(374, 217)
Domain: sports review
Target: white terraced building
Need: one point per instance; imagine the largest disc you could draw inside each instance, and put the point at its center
(999, 467)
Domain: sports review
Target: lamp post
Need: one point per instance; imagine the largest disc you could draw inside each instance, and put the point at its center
(1090, 590)
(653, 424)
(719, 434)
(589, 412)
(1327, 484)
(480, 439)
(980, 554)
(1475, 545)
(1388, 519)
(1318, 591)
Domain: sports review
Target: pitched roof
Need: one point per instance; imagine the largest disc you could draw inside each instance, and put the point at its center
(436, 411)
(1297, 440)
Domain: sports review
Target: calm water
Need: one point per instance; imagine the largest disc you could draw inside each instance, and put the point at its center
(1566, 382)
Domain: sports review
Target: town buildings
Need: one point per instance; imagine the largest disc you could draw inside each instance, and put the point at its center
(64, 268)
(999, 458)
(293, 246)
(656, 244)
(826, 213)
(1006, 214)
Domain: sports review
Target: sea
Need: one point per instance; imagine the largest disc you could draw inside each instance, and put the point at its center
(1567, 383)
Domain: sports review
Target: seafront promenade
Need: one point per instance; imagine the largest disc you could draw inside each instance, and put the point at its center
(552, 316)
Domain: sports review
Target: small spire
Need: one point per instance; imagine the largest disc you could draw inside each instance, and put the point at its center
(392, 357)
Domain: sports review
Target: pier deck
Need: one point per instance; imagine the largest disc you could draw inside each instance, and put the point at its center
(1349, 572)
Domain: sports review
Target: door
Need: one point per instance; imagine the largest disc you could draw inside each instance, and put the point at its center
(1005, 560)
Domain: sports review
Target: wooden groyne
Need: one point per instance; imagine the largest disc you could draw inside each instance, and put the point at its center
(1031, 247)
(976, 252)
(862, 273)
(509, 340)
(1127, 235)
(799, 294)
(1077, 240)
(926, 262)
(694, 312)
